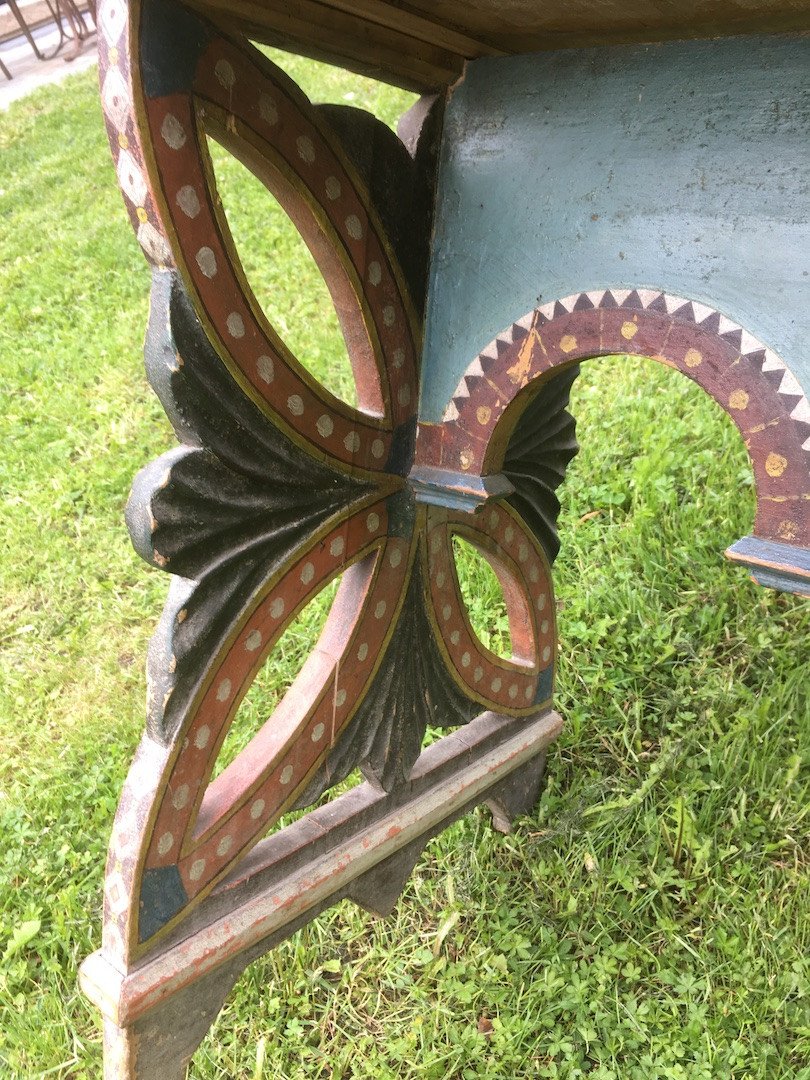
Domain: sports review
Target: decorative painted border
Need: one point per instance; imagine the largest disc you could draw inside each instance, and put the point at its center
(747, 379)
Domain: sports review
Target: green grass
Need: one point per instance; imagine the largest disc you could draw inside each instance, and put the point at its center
(649, 920)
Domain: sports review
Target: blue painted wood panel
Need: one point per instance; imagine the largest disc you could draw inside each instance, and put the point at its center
(683, 166)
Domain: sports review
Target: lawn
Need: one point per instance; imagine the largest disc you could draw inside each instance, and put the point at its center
(649, 920)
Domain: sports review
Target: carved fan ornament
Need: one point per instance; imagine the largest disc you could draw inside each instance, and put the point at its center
(278, 487)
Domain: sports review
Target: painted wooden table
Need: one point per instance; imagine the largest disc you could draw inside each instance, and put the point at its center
(563, 190)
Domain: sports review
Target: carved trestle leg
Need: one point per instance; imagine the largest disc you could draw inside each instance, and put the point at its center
(362, 846)
(276, 489)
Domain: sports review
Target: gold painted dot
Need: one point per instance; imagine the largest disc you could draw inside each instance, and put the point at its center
(738, 400)
(693, 358)
(362, 652)
(568, 343)
(257, 809)
(546, 653)
(478, 674)
(307, 573)
(513, 691)
(337, 546)
(496, 685)
(202, 737)
(527, 693)
(253, 641)
(377, 448)
(340, 699)
(465, 459)
(447, 611)
(395, 558)
(112, 55)
(455, 637)
(225, 845)
(775, 464)
(142, 215)
(787, 530)
(277, 608)
(484, 414)
(380, 609)
(286, 774)
(629, 330)
(123, 141)
(465, 660)
(317, 732)
(224, 690)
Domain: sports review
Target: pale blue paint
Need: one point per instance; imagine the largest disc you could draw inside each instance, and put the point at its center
(692, 157)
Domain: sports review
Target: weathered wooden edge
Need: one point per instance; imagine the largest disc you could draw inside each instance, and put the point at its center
(776, 566)
(468, 767)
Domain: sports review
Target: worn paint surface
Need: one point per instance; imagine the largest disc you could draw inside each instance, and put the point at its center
(278, 487)
(681, 167)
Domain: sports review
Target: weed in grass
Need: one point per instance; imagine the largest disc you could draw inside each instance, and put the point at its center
(649, 919)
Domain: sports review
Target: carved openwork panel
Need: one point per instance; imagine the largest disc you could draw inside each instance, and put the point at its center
(278, 487)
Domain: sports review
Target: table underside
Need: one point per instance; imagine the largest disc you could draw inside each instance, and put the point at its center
(423, 45)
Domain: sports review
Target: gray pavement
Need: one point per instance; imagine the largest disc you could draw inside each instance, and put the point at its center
(29, 73)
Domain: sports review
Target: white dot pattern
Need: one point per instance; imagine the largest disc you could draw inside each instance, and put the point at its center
(236, 325)
(265, 368)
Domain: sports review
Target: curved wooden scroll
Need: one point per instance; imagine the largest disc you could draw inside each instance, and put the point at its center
(462, 458)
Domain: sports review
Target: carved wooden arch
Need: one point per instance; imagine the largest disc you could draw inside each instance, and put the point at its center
(463, 456)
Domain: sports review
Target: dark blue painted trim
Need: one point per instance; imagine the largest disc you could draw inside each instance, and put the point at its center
(784, 567)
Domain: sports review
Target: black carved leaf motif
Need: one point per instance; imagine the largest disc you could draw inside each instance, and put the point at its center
(537, 456)
(411, 690)
(224, 512)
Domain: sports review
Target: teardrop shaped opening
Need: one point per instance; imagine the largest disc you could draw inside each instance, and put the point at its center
(287, 717)
(295, 275)
(483, 597)
(279, 672)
